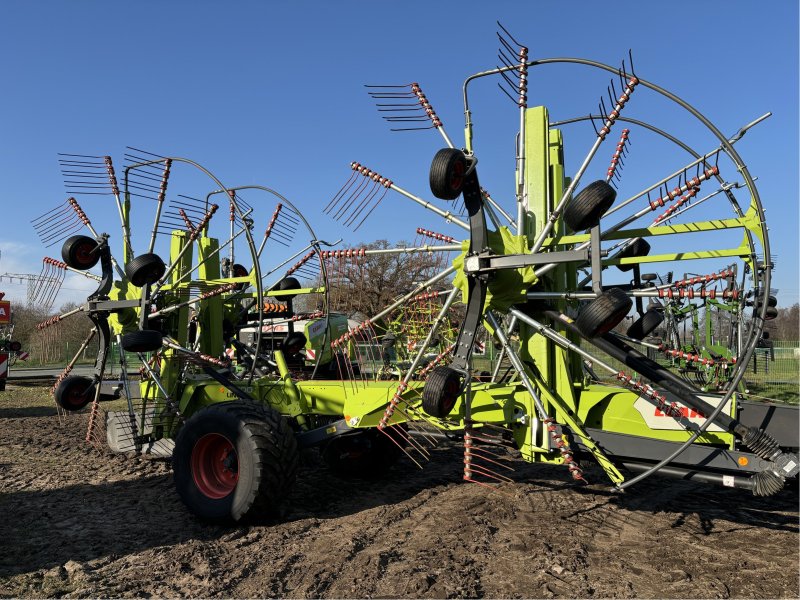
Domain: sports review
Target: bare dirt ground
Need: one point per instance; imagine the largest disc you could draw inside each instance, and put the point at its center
(75, 522)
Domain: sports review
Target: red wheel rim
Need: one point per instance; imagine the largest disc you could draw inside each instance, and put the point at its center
(75, 395)
(84, 254)
(457, 175)
(215, 466)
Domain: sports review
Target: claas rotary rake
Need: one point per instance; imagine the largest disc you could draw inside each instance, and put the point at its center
(246, 351)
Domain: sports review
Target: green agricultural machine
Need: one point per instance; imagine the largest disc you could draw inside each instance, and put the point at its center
(549, 280)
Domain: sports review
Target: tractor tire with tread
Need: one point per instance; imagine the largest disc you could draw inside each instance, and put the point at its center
(261, 471)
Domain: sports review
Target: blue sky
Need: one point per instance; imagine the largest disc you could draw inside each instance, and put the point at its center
(272, 93)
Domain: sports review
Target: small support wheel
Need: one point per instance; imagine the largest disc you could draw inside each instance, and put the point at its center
(588, 207)
(640, 247)
(145, 269)
(293, 343)
(74, 392)
(447, 173)
(603, 313)
(233, 460)
(286, 284)
(442, 389)
(145, 340)
(772, 301)
(645, 325)
(80, 252)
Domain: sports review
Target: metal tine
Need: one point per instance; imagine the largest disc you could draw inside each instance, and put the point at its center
(151, 155)
(364, 203)
(51, 282)
(392, 431)
(149, 171)
(415, 92)
(56, 225)
(353, 197)
(343, 190)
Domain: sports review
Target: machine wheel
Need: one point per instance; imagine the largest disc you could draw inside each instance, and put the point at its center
(293, 343)
(288, 283)
(74, 392)
(15, 346)
(447, 173)
(604, 313)
(79, 252)
(364, 454)
(588, 207)
(646, 324)
(234, 460)
(772, 312)
(146, 340)
(638, 248)
(442, 389)
(144, 269)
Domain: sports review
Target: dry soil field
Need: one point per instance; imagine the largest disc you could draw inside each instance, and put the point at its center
(75, 522)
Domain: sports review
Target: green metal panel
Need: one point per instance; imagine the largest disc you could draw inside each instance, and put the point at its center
(211, 313)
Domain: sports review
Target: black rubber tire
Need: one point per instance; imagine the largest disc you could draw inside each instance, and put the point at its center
(80, 252)
(293, 343)
(145, 269)
(15, 346)
(442, 389)
(266, 461)
(446, 176)
(772, 302)
(74, 392)
(365, 454)
(648, 277)
(646, 324)
(604, 313)
(638, 248)
(772, 312)
(239, 271)
(145, 340)
(586, 209)
(285, 284)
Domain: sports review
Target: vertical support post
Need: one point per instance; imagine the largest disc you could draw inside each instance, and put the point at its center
(597, 263)
(545, 183)
(210, 308)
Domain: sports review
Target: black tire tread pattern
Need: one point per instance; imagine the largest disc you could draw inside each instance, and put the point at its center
(274, 448)
(436, 387)
(586, 209)
(144, 269)
(640, 247)
(440, 173)
(646, 324)
(604, 313)
(144, 340)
